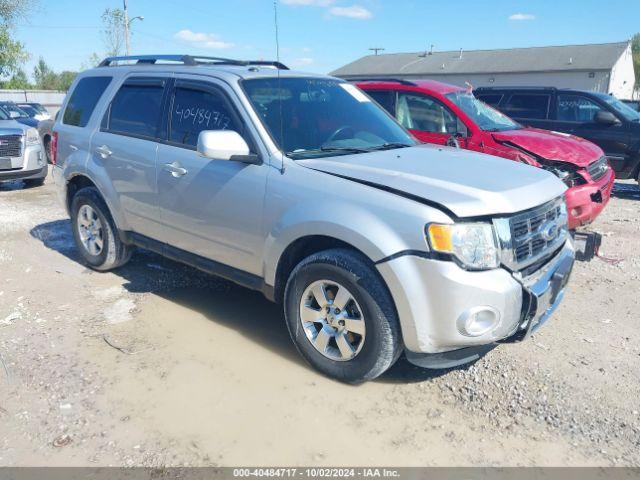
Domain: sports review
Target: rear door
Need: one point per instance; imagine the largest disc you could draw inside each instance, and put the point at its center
(126, 148)
(74, 124)
(426, 118)
(212, 208)
(529, 108)
(575, 114)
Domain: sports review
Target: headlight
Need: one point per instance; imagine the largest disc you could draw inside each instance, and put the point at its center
(32, 137)
(473, 244)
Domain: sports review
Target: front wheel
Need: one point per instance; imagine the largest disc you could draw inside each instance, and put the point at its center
(341, 316)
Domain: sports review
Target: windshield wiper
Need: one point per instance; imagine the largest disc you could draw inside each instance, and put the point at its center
(390, 146)
(344, 149)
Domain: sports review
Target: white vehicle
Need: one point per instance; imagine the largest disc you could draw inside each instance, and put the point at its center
(21, 153)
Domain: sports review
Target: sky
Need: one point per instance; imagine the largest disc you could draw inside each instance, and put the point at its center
(321, 35)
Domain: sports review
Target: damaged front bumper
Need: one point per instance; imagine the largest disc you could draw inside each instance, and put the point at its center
(429, 319)
(586, 202)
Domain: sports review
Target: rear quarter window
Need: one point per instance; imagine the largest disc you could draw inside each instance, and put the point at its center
(84, 99)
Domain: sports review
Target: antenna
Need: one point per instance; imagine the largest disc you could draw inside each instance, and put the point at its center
(275, 19)
(375, 50)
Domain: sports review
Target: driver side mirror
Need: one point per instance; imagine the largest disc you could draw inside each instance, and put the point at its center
(225, 145)
(14, 115)
(606, 118)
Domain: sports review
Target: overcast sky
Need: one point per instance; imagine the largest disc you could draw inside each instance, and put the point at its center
(321, 35)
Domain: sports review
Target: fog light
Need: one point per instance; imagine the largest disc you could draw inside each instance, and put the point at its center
(478, 321)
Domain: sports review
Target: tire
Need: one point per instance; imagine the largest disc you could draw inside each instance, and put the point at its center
(34, 182)
(47, 148)
(380, 344)
(112, 252)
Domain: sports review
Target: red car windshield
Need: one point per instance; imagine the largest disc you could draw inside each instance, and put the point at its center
(487, 118)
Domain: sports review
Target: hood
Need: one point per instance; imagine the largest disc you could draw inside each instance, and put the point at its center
(468, 184)
(11, 127)
(30, 122)
(554, 146)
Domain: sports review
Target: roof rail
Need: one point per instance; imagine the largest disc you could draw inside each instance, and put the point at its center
(516, 88)
(190, 60)
(401, 81)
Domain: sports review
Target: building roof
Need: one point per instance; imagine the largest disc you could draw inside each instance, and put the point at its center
(535, 59)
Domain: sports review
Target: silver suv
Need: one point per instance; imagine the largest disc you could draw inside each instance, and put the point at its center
(302, 187)
(21, 153)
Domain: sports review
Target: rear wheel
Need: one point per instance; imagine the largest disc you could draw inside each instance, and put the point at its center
(341, 316)
(95, 233)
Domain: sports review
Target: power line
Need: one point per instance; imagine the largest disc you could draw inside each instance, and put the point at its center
(60, 26)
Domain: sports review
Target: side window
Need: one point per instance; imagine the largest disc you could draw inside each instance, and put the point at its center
(386, 98)
(195, 110)
(531, 106)
(418, 112)
(84, 99)
(136, 109)
(575, 108)
(492, 99)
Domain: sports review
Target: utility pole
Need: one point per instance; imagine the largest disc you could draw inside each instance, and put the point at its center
(374, 50)
(127, 40)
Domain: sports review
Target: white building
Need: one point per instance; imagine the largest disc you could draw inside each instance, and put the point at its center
(606, 68)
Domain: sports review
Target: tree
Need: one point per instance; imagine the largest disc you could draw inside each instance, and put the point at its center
(19, 81)
(635, 50)
(46, 79)
(12, 10)
(12, 53)
(113, 33)
(65, 79)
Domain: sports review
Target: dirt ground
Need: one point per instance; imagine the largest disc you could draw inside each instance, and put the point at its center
(158, 364)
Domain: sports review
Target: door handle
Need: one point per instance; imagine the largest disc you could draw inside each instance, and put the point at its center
(104, 151)
(73, 148)
(175, 169)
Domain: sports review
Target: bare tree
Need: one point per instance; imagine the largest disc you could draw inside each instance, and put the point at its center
(11, 10)
(113, 33)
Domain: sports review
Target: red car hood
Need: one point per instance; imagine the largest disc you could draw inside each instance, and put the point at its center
(552, 145)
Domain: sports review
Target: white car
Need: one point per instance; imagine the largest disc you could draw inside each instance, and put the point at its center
(35, 110)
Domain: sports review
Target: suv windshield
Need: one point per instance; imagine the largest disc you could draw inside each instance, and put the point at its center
(29, 110)
(622, 108)
(316, 117)
(486, 117)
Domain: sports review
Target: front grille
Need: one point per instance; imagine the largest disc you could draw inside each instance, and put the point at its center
(598, 169)
(10, 145)
(532, 236)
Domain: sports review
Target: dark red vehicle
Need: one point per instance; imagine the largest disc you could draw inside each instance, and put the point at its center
(444, 114)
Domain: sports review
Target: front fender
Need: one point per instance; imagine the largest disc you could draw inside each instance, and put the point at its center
(344, 221)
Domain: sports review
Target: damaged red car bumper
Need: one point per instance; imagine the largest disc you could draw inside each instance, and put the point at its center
(585, 202)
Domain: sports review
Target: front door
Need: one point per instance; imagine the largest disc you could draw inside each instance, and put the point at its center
(428, 119)
(212, 208)
(576, 115)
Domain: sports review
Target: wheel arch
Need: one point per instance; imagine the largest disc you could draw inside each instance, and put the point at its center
(81, 180)
(300, 249)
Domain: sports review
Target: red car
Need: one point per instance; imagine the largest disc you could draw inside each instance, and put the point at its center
(444, 114)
